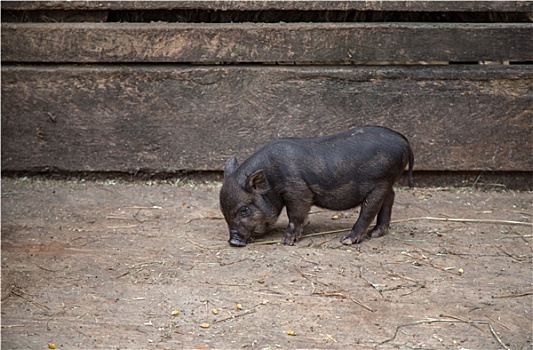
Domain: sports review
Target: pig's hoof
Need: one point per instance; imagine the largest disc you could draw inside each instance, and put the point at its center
(377, 232)
(288, 241)
(236, 242)
(348, 240)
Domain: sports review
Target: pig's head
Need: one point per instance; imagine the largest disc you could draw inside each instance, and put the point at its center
(245, 203)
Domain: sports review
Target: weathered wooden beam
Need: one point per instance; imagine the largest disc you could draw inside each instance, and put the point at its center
(249, 42)
(225, 5)
(169, 118)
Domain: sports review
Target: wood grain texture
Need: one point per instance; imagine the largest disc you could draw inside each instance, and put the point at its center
(169, 118)
(259, 42)
(467, 6)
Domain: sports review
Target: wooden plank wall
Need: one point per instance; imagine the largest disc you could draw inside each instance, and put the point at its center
(97, 96)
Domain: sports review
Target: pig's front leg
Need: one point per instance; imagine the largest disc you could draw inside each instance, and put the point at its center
(297, 213)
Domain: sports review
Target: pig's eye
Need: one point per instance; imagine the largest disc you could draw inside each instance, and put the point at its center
(245, 211)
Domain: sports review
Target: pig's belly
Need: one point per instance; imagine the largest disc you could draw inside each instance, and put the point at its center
(341, 197)
(337, 204)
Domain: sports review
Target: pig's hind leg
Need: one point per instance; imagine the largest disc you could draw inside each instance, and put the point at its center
(384, 215)
(372, 205)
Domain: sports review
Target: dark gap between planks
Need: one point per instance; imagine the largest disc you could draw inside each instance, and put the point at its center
(270, 16)
(498, 180)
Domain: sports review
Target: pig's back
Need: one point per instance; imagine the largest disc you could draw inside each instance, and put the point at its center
(363, 154)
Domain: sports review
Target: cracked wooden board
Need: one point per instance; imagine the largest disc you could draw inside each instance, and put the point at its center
(173, 118)
(265, 42)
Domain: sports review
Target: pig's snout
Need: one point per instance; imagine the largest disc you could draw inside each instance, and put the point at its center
(235, 239)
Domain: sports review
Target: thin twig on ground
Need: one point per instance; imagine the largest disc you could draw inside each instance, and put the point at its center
(343, 296)
(495, 335)
(136, 207)
(479, 221)
(498, 322)
(450, 319)
(21, 295)
(462, 320)
(375, 286)
(304, 275)
(196, 244)
(517, 295)
(429, 321)
(305, 259)
(422, 218)
(304, 236)
(232, 317)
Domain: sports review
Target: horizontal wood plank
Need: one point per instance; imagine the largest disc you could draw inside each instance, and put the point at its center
(249, 42)
(225, 5)
(170, 118)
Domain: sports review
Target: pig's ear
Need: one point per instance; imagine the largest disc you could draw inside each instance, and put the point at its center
(257, 183)
(231, 165)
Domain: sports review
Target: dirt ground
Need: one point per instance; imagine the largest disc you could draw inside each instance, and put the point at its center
(108, 264)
